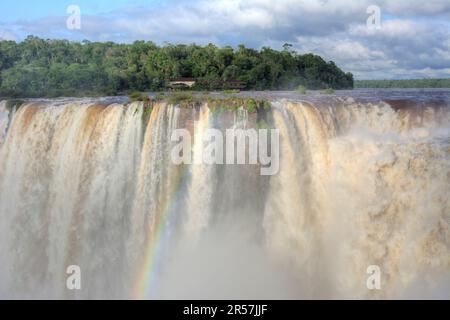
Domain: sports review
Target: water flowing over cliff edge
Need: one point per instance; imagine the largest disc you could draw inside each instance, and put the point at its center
(363, 180)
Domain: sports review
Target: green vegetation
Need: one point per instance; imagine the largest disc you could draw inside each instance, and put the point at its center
(251, 106)
(218, 105)
(50, 68)
(262, 124)
(159, 96)
(235, 91)
(234, 103)
(12, 104)
(205, 97)
(410, 83)
(139, 96)
(146, 113)
(266, 105)
(182, 98)
(328, 91)
(301, 89)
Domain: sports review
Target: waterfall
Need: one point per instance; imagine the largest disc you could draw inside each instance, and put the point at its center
(93, 185)
(295, 209)
(4, 115)
(201, 187)
(156, 185)
(361, 185)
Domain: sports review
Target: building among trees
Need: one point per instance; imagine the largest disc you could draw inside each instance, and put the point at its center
(48, 68)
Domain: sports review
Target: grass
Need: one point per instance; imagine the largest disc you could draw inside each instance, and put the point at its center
(329, 91)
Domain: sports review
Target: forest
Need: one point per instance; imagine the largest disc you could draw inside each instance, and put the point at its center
(50, 68)
(407, 83)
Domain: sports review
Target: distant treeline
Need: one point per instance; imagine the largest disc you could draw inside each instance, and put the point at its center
(37, 68)
(410, 83)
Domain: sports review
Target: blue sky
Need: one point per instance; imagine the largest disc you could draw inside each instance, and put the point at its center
(413, 40)
(26, 10)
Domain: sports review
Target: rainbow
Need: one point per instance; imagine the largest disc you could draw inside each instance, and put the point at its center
(146, 278)
(147, 274)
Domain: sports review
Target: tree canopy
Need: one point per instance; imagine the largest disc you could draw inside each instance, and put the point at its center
(36, 67)
(405, 83)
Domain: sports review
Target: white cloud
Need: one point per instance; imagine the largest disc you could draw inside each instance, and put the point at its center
(6, 34)
(416, 7)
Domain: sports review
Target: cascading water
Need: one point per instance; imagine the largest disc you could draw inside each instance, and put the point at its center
(360, 183)
(3, 121)
(200, 195)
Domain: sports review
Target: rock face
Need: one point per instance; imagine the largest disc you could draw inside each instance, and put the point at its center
(362, 181)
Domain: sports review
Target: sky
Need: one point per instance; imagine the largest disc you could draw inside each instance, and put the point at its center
(412, 39)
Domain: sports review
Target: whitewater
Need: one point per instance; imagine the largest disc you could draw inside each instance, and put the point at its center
(363, 180)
